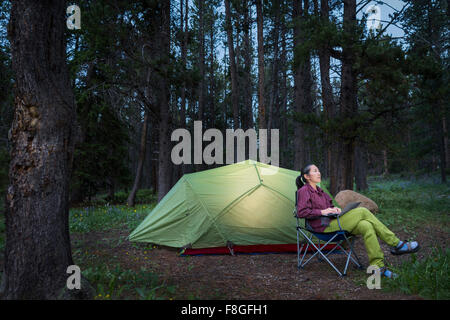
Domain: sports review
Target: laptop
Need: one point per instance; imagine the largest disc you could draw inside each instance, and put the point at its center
(348, 207)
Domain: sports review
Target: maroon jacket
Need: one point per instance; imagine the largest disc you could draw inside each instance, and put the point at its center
(309, 204)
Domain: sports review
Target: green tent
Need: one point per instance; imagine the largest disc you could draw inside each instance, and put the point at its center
(246, 203)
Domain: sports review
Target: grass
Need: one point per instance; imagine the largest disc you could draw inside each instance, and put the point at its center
(88, 219)
(110, 279)
(428, 277)
(143, 196)
(117, 283)
(411, 204)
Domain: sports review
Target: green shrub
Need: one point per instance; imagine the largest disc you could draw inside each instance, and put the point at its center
(120, 197)
(407, 203)
(145, 196)
(142, 196)
(429, 277)
(114, 283)
(89, 219)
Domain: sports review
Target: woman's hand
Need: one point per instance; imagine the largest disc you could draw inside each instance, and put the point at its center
(327, 211)
(330, 210)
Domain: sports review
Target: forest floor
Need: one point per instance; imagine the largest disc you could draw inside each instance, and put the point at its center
(119, 269)
(246, 276)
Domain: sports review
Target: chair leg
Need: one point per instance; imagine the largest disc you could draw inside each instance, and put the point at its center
(318, 257)
(299, 261)
(321, 256)
(348, 260)
(298, 249)
(329, 262)
(357, 262)
(318, 251)
(303, 256)
(336, 246)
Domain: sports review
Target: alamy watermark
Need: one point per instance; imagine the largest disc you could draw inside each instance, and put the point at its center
(374, 280)
(374, 17)
(74, 280)
(214, 151)
(73, 22)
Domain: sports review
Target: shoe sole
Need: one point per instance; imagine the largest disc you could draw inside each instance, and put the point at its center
(399, 253)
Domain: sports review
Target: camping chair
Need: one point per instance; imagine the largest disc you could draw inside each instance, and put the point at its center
(337, 238)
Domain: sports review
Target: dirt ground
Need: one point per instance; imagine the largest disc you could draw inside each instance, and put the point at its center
(258, 276)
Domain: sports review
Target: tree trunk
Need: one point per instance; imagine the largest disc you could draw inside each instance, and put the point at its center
(184, 20)
(274, 111)
(141, 160)
(247, 121)
(164, 161)
(261, 104)
(302, 88)
(445, 136)
(201, 58)
(154, 159)
(233, 72)
(298, 127)
(212, 102)
(361, 167)
(348, 99)
(184, 44)
(38, 249)
(328, 105)
(234, 81)
(442, 149)
(385, 163)
(284, 93)
(111, 189)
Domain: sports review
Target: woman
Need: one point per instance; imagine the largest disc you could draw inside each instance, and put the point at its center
(314, 205)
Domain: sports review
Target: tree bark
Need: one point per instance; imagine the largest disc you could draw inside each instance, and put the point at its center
(445, 136)
(141, 160)
(298, 127)
(201, 62)
(348, 98)
(154, 159)
(247, 121)
(184, 20)
(442, 149)
(302, 88)
(361, 167)
(328, 103)
(284, 94)
(261, 94)
(385, 163)
(43, 133)
(164, 161)
(184, 44)
(274, 111)
(234, 81)
(212, 102)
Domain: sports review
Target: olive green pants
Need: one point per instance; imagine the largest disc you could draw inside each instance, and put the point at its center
(360, 221)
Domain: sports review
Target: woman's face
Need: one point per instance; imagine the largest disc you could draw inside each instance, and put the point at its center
(313, 175)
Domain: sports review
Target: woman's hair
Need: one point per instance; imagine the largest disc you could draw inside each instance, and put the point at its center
(301, 181)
